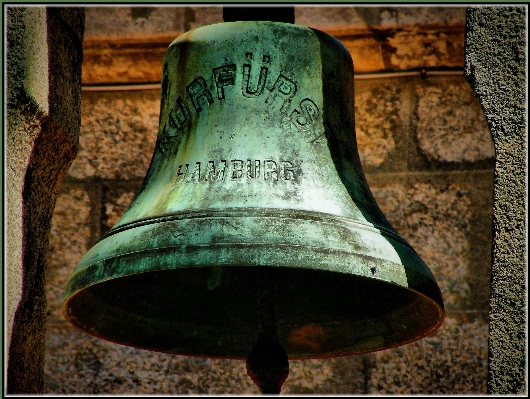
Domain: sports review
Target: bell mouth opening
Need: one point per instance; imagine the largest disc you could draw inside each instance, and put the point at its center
(212, 311)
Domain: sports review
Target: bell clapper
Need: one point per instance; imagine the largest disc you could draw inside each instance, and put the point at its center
(267, 362)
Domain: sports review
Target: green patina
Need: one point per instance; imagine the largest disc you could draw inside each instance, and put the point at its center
(255, 168)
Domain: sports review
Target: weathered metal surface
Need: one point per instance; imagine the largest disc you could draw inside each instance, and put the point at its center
(256, 165)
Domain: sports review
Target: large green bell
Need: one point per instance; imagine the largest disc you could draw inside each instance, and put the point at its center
(255, 168)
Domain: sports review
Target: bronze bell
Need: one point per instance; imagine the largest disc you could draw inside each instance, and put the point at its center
(255, 177)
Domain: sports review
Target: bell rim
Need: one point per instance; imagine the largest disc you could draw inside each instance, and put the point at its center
(79, 281)
(273, 251)
(441, 315)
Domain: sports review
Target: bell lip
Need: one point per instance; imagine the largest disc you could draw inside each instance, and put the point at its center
(265, 253)
(440, 320)
(100, 253)
(230, 254)
(309, 357)
(428, 287)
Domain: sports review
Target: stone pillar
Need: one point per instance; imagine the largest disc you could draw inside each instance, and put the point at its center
(44, 55)
(495, 67)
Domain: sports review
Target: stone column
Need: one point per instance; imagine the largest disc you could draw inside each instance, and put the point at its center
(495, 67)
(44, 55)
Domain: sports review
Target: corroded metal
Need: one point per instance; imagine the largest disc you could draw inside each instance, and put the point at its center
(255, 165)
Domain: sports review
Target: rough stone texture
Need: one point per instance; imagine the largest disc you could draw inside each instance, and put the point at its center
(416, 123)
(365, 50)
(108, 20)
(65, 37)
(105, 21)
(117, 206)
(451, 126)
(428, 48)
(18, 148)
(495, 67)
(116, 199)
(393, 38)
(69, 240)
(446, 217)
(320, 17)
(118, 134)
(34, 58)
(127, 21)
(42, 142)
(134, 60)
(329, 376)
(50, 157)
(377, 16)
(435, 221)
(25, 29)
(81, 364)
(381, 123)
(127, 44)
(422, 15)
(451, 362)
(138, 59)
(205, 15)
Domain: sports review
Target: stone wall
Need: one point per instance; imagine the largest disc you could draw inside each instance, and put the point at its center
(43, 53)
(427, 154)
(496, 44)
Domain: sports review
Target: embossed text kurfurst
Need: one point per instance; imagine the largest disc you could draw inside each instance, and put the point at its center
(305, 115)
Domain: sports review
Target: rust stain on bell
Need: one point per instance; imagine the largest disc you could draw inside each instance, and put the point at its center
(255, 166)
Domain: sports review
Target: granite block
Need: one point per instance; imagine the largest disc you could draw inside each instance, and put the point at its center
(77, 363)
(394, 16)
(387, 17)
(203, 15)
(121, 21)
(118, 134)
(424, 48)
(342, 375)
(453, 361)
(323, 17)
(69, 238)
(450, 124)
(381, 124)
